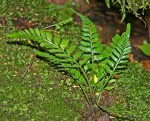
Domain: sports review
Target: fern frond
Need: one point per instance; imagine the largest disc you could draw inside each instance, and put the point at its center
(90, 43)
(90, 40)
(117, 53)
(58, 51)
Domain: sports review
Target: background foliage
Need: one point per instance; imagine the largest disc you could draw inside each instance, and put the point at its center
(136, 7)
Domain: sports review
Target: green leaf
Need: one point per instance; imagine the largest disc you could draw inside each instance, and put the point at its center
(128, 30)
(46, 45)
(111, 63)
(109, 88)
(48, 36)
(64, 43)
(61, 55)
(58, 26)
(120, 67)
(86, 29)
(114, 58)
(67, 60)
(20, 34)
(107, 69)
(87, 1)
(123, 61)
(37, 32)
(107, 3)
(127, 51)
(56, 39)
(145, 48)
(85, 38)
(27, 31)
(86, 34)
(125, 57)
(127, 48)
(43, 54)
(72, 71)
(97, 47)
(85, 49)
(112, 81)
(71, 48)
(81, 62)
(95, 35)
(113, 45)
(101, 56)
(77, 55)
(123, 16)
(85, 43)
(55, 51)
(116, 53)
(118, 50)
(116, 39)
(66, 65)
(109, 49)
(31, 31)
(120, 46)
(81, 80)
(77, 74)
(93, 28)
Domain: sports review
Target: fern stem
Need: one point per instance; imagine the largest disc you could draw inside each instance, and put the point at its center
(90, 90)
(84, 93)
(92, 61)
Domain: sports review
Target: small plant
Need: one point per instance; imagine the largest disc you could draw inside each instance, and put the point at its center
(91, 64)
(133, 6)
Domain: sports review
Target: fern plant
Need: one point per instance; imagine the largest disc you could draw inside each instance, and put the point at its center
(91, 64)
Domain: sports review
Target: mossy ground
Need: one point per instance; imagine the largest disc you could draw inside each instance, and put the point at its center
(34, 94)
(30, 89)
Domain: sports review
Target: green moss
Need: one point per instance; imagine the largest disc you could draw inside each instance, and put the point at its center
(133, 90)
(35, 93)
(34, 96)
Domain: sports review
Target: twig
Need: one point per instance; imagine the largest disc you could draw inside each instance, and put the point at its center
(29, 66)
(49, 26)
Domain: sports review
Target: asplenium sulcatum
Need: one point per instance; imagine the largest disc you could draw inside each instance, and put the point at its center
(91, 64)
